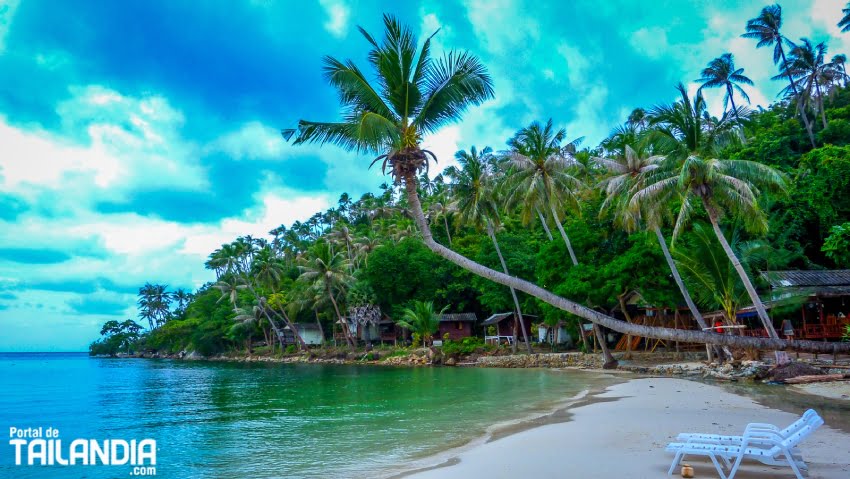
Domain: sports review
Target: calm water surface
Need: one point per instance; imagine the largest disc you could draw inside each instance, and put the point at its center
(263, 420)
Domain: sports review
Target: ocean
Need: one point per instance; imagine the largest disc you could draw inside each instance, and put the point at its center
(257, 420)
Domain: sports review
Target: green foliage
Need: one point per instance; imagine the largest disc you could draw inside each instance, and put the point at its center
(837, 245)
(465, 346)
(116, 338)
(422, 319)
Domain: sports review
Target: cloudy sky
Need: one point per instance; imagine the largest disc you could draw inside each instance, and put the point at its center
(137, 136)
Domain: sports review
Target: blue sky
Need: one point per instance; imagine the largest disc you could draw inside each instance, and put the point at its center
(137, 136)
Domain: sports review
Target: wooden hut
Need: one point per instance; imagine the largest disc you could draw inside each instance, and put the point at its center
(456, 325)
(561, 336)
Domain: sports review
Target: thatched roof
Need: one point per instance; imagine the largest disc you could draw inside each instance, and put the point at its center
(796, 279)
(451, 317)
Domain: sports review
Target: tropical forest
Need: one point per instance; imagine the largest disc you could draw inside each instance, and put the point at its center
(677, 208)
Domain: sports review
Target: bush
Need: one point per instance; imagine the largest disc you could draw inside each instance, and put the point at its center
(291, 349)
(464, 347)
(397, 353)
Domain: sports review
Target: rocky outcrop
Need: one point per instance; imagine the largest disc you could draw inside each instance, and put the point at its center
(553, 360)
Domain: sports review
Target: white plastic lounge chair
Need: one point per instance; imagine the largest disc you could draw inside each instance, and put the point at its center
(757, 445)
(807, 418)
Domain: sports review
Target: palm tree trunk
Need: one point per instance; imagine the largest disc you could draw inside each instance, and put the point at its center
(543, 222)
(685, 336)
(800, 109)
(563, 233)
(732, 100)
(820, 103)
(781, 357)
(449, 235)
(344, 323)
(610, 362)
(513, 292)
(682, 288)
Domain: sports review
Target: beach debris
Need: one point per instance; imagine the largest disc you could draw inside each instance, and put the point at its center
(687, 471)
(818, 378)
(792, 370)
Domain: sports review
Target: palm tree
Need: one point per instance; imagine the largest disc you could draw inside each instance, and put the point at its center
(416, 94)
(422, 319)
(540, 175)
(327, 272)
(629, 173)
(720, 186)
(154, 304)
(838, 66)
(685, 126)
(721, 73)
(473, 188)
(808, 71)
(705, 266)
(845, 21)
(439, 210)
(765, 28)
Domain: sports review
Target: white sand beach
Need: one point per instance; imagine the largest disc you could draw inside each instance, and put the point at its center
(626, 435)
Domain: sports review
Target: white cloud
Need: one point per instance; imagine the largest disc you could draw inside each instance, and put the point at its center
(338, 14)
(252, 141)
(7, 13)
(650, 41)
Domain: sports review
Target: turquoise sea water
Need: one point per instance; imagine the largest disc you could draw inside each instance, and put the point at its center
(238, 420)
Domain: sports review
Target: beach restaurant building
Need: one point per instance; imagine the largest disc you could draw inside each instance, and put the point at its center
(825, 302)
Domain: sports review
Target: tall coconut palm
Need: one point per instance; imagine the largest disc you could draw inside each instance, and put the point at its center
(721, 73)
(328, 272)
(808, 71)
(722, 187)
(629, 173)
(838, 65)
(415, 94)
(845, 21)
(473, 187)
(540, 175)
(766, 29)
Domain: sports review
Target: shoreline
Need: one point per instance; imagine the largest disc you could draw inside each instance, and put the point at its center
(559, 413)
(622, 431)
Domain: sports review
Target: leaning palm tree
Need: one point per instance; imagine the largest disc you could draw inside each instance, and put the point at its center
(473, 187)
(540, 175)
(721, 187)
(845, 21)
(422, 319)
(839, 69)
(416, 94)
(628, 173)
(328, 272)
(808, 70)
(721, 73)
(765, 28)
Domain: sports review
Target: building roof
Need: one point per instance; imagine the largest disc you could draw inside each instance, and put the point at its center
(458, 317)
(304, 326)
(498, 317)
(795, 279)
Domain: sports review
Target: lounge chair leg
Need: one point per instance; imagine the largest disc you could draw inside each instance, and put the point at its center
(738, 461)
(675, 463)
(719, 468)
(793, 464)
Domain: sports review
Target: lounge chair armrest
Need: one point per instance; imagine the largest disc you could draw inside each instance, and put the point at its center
(760, 426)
(761, 437)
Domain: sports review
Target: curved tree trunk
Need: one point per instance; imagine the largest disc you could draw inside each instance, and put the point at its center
(513, 292)
(563, 233)
(610, 362)
(682, 288)
(319, 323)
(781, 357)
(448, 235)
(597, 317)
(543, 222)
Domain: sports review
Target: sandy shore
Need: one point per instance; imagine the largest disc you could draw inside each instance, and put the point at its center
(835, 390)
(624, 435)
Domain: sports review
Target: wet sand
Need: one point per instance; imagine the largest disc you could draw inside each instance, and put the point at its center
(623, 434)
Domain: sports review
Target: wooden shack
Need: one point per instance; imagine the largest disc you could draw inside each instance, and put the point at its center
(456, 325)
